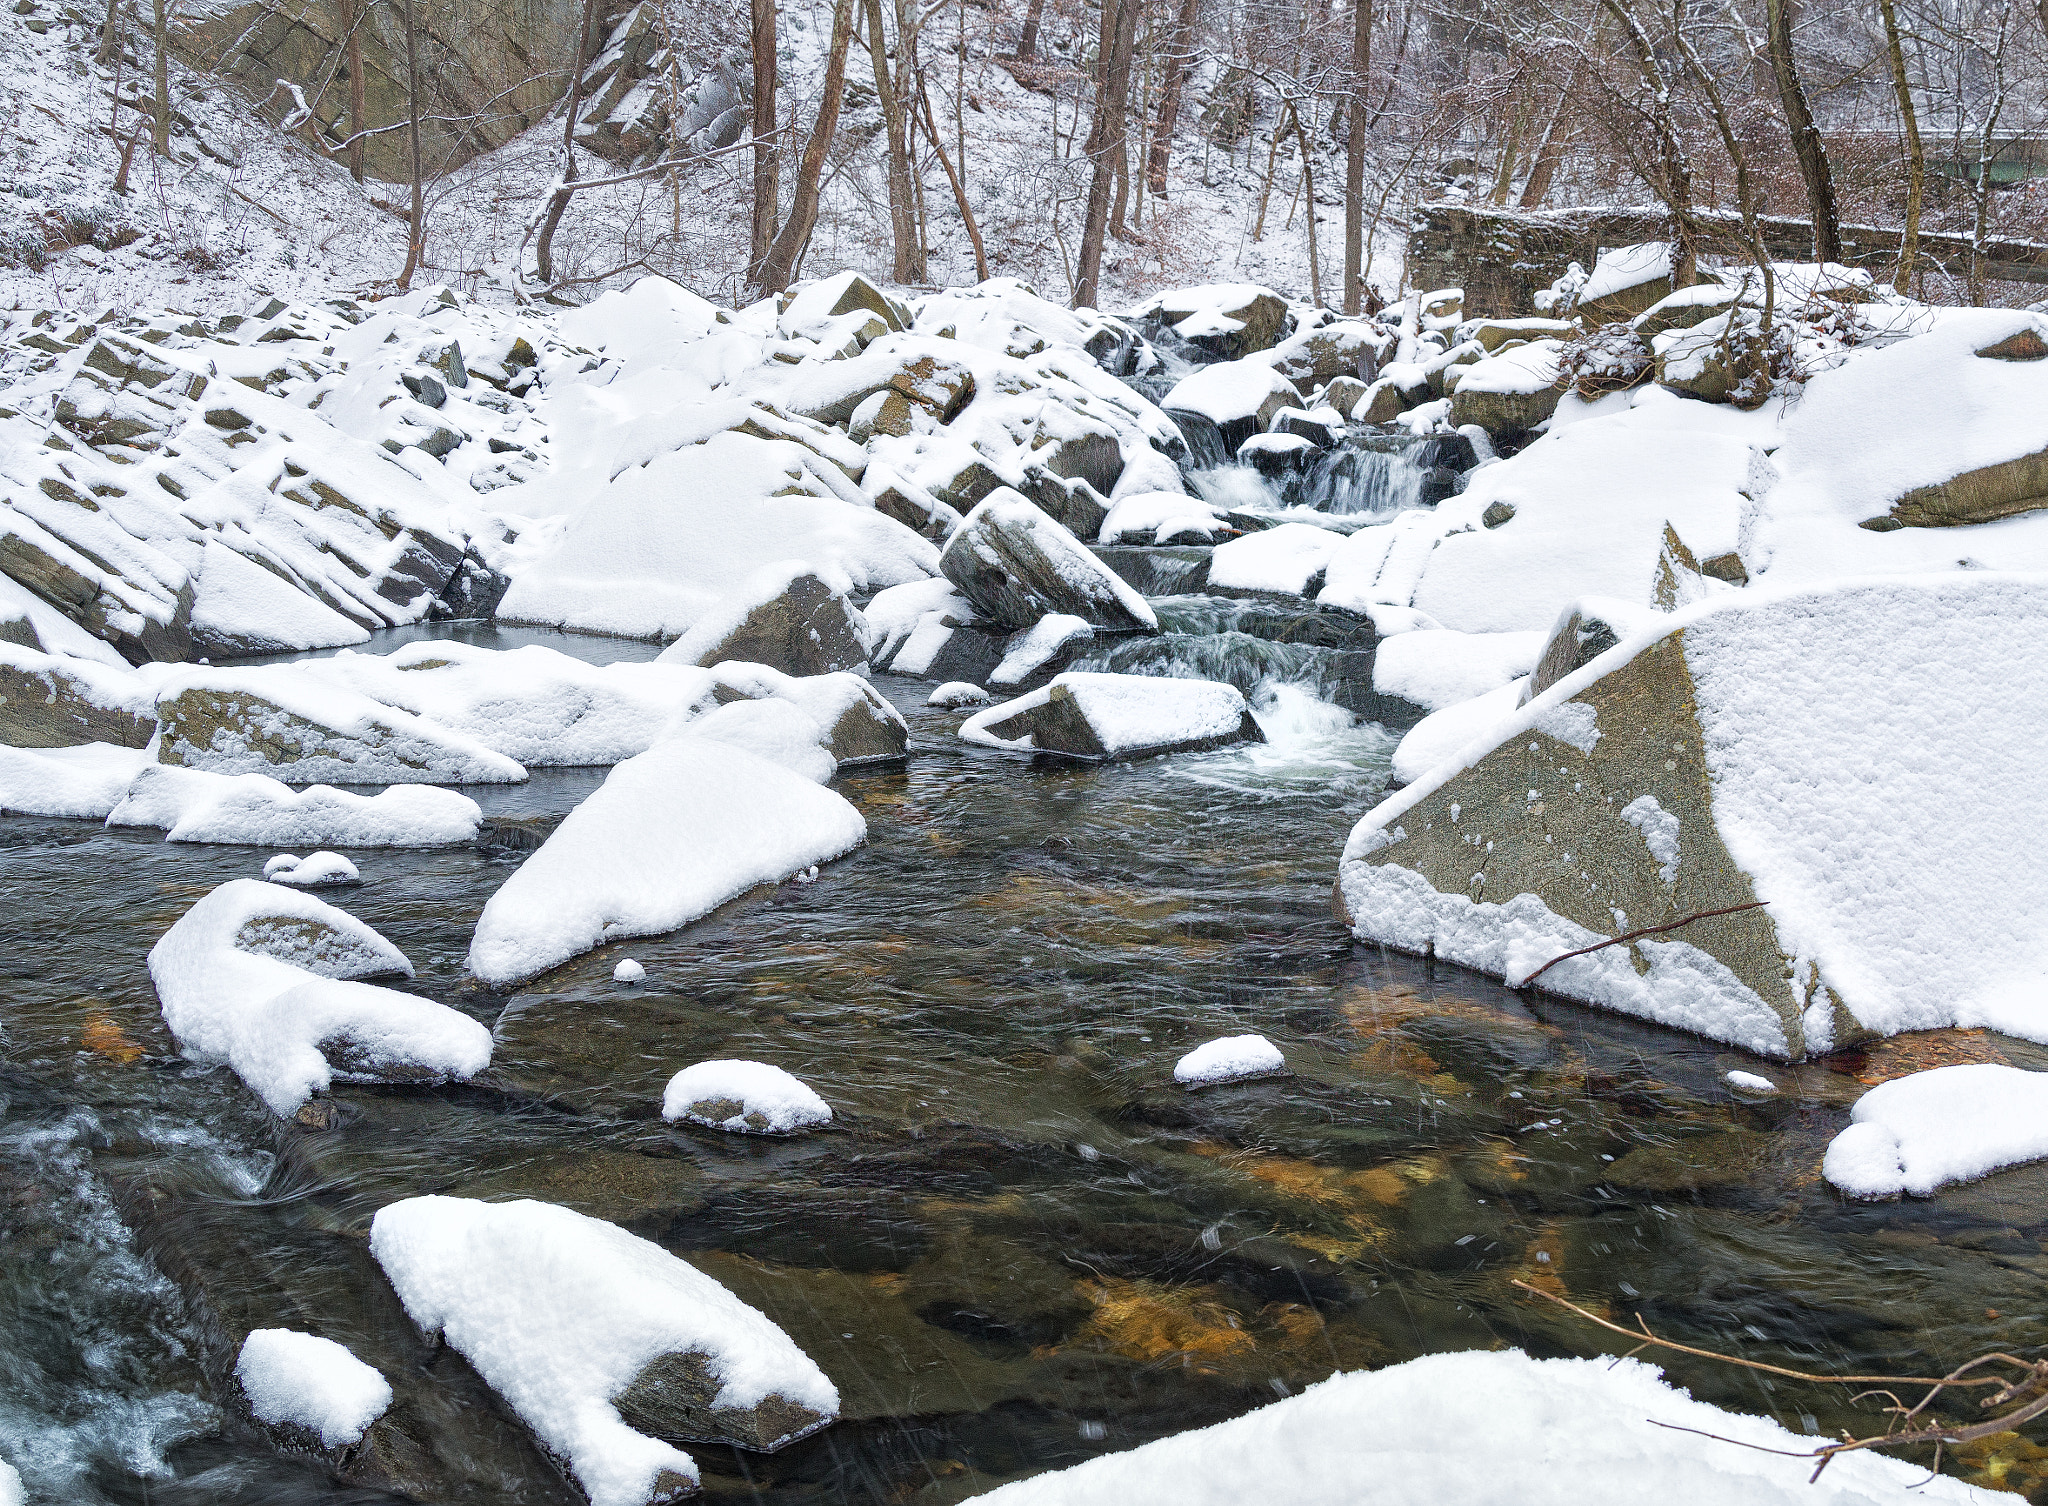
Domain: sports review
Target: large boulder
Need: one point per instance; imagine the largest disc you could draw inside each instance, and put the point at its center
(1229, 320)
(1101, 717)
(910, 365)
(1795, 836)
(1014, 564)
(788, 617)
(48, 702)
(834, 297)
(1721, 359)
(304, 731)
(1239, 398)
(1345, 348)
(1626, 281)
(859, 724)
(1509, 394)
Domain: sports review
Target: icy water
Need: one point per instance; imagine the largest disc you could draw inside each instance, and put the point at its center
(1019, 1245)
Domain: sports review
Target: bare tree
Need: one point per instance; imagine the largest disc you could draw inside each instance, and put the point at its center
(1354, 157)
(907, 244)
(160, 36)
(778, 266)
(762, 17)
(1916, 160)
(1106, 140)
(1807, 146)
(558, 201)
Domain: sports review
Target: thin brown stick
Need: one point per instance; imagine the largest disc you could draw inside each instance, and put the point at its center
(1708, 1354)
(1755, 904)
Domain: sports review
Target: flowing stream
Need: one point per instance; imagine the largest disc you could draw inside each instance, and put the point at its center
(1019, 1245)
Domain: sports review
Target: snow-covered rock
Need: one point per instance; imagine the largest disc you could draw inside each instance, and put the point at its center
(856, 724)
(655, 547)
(1287, 559)
(786, 616)
(87, 781)
(193, 805)
(1230, 320)
(1485, 1427)
(1056, 636)
(743, 1098)
(1625, 281)
(1239, 398)
(775, 730)
(1920, 1132)
(260, 977)
(1926, 454)
(1014, 564)
(668, 837)
(299, 1380)
(51, 702)
(308, 731)
(532, 704)
(1750, 1082)
(315, 871)
(1442, 668)
(1229, 1059)
(608, 1347)
(1510, 393)
(950, 696)
(1108, 716)
(1452, 729)
(1772, 747)
(629, 971)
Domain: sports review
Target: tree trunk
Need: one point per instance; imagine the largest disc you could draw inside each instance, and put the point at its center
(1354, 156)
(1806, 143)
(160, 32)
(416, 221)
(1745, 187)
(1179, 63)
(1106, 143)
(1916, 161)
(908, 259)
(352, 51)
(778, 267)
(931, 126)
(543, 250)
(1308, 181)
(1676, 187)
(766, 185)
(1027, 41)
(1549, 152)
(110, 34)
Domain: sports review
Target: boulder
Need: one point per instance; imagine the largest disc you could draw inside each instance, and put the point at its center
(1014, 564)
(1685, 308)
(1626, 281)
(1588, 628)
(1103, 717)
(1240, 398)
(1718, 360)
(1802, 816)
(1230, 321)
(1510, 394)
(286, 724)
(1343, 394)
(1493, 334)
(47, 702)
(846, 293)
(905, 364)
(859, 723)
(1315, 357)
(788, 617)
(897, 496)
(1074, 504)
(1381, 403)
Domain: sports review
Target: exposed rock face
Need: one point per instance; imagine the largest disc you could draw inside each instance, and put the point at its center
(1014, 564)
(808, 628)
(47, 702)
(1589, 628)
(672, 1399)
(225, 722)
(1720, 359)
(1098, 716)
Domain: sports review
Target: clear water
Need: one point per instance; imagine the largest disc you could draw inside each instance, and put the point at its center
(1020, 1245)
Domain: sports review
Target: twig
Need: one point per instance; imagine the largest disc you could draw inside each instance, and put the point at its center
(1755, 904)
(1645, 1336)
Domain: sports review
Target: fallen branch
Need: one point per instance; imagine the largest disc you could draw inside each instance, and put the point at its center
(2026, 1393)
(1755, 904)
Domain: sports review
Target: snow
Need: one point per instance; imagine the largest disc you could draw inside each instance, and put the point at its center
(956, 693)
(1128, 713)
(1283, 559)
(775, 730)
(1920, 1132)
(916, 610)
(663, 543)
(313, 871)
(1229, 390)
(1524, 369)
(10, 1486)
(1749, 1082)
(292, 1377)
(1487, 1427)
(257, 976)
(1443, 668)
(87, 781)
(560, 1313)
(1884, 805)
(1159, 517)
(194, 805)
(1229, 1059)
(326, 731)
(1443, 733)
(1660, 833)
(629, 971)
(769, 1101)
(1622, 267)
(1029, 651)
(533, 704)
(1886, 421)
(668, 837)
